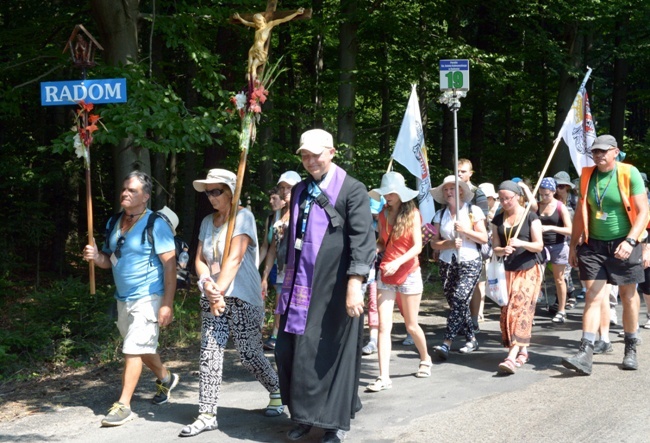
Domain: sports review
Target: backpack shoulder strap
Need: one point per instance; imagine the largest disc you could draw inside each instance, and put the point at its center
(148, 230)
(111, 226)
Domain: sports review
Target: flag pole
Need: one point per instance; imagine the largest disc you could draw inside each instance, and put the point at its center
(550, 156)
(390, 165)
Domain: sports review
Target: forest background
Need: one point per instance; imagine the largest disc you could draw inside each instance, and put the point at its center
(348, 69)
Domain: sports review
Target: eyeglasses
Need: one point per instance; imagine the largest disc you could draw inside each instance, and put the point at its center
(214, 192)
(506, 200)
(600, 151)
(120, 243)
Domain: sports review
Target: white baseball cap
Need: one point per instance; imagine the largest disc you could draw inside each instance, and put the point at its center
(315, 141)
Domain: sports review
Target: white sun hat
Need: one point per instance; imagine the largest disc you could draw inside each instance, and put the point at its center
(439, 197)
(217, 176)
(393, 182)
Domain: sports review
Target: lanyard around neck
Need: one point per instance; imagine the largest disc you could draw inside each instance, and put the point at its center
(600, 197)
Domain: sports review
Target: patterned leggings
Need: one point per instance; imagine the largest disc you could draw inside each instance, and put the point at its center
(244, 321)
(458, 281)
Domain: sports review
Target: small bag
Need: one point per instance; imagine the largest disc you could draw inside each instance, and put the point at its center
(497, 290)
(428, 232)
(486, 250)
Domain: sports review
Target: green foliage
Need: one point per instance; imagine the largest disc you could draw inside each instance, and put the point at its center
(54, 325)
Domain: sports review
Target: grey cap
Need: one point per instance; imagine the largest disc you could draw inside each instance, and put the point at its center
(604, 142)
(563, 178)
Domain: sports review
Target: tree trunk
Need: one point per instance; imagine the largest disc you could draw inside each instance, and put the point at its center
(348, 49)
(117, 22)
(619, 91)
(317, 63)
(568, 89)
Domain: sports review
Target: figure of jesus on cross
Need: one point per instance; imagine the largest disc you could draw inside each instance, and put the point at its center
(258, 53)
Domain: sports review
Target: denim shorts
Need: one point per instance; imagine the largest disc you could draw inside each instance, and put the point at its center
(559, 253)
(412, 284)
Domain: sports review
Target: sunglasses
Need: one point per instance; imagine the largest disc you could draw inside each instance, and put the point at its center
(563, 186)
(120, 243)
(214, 192)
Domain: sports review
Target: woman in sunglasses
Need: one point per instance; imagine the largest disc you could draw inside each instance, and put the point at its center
(232, 284)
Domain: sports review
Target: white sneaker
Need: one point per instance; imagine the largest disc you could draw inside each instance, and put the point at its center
(613, 318)
(647, 325)
(370, 348)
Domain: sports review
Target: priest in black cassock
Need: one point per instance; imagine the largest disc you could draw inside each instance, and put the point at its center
(330, 251)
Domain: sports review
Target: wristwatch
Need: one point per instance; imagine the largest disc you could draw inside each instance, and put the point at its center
(631, 241)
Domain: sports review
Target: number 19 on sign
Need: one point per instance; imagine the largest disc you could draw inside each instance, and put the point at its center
(454, 75)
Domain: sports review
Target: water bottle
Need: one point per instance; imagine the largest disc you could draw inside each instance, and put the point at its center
(183, 258)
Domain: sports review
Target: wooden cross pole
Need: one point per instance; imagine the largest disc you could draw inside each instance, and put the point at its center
(257, 57)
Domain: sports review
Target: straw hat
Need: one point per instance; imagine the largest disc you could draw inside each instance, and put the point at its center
(217, 176)
(439, 197)
(393, 183)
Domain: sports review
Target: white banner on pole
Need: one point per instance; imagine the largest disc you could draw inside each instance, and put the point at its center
(410, 151)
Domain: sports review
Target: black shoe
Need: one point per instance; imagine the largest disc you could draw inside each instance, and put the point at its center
(333, 436)
(582, 361)
(554, 308)
(298, 432)
(629, 361)
(600, 347)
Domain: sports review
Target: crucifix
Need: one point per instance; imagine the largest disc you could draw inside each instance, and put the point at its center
(263, 23)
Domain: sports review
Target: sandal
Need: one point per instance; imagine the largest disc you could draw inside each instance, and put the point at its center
(508, 366)
(570, 303)
(275, 407)
(442, 351)
(560, 317)
(379, 385)
(202, 423)
(522, 359)
(470, 346)
(424, 370)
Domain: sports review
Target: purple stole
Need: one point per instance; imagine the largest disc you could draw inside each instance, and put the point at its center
(300, 291)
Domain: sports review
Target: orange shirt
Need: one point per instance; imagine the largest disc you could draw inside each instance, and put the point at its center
(396, 247)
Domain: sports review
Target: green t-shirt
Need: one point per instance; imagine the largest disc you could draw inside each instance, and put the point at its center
(617, 224)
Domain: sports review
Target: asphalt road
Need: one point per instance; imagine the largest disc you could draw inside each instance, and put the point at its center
(464, 400)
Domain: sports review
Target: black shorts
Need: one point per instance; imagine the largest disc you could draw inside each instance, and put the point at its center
(645, 286)
(596, 261)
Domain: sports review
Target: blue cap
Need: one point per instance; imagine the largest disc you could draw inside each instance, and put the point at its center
(516, 179)
(376, 205)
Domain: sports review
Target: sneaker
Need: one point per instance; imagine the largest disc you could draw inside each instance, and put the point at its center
(204, 422)
(583, 360)
(165, 389)
(613, 318)
(379, 385)
(269, 344)
(408, 341)
(117, 415)
(601, 347)
(370, 348)
(629, 360)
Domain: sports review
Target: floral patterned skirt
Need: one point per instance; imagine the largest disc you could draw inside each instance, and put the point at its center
(517, 316)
